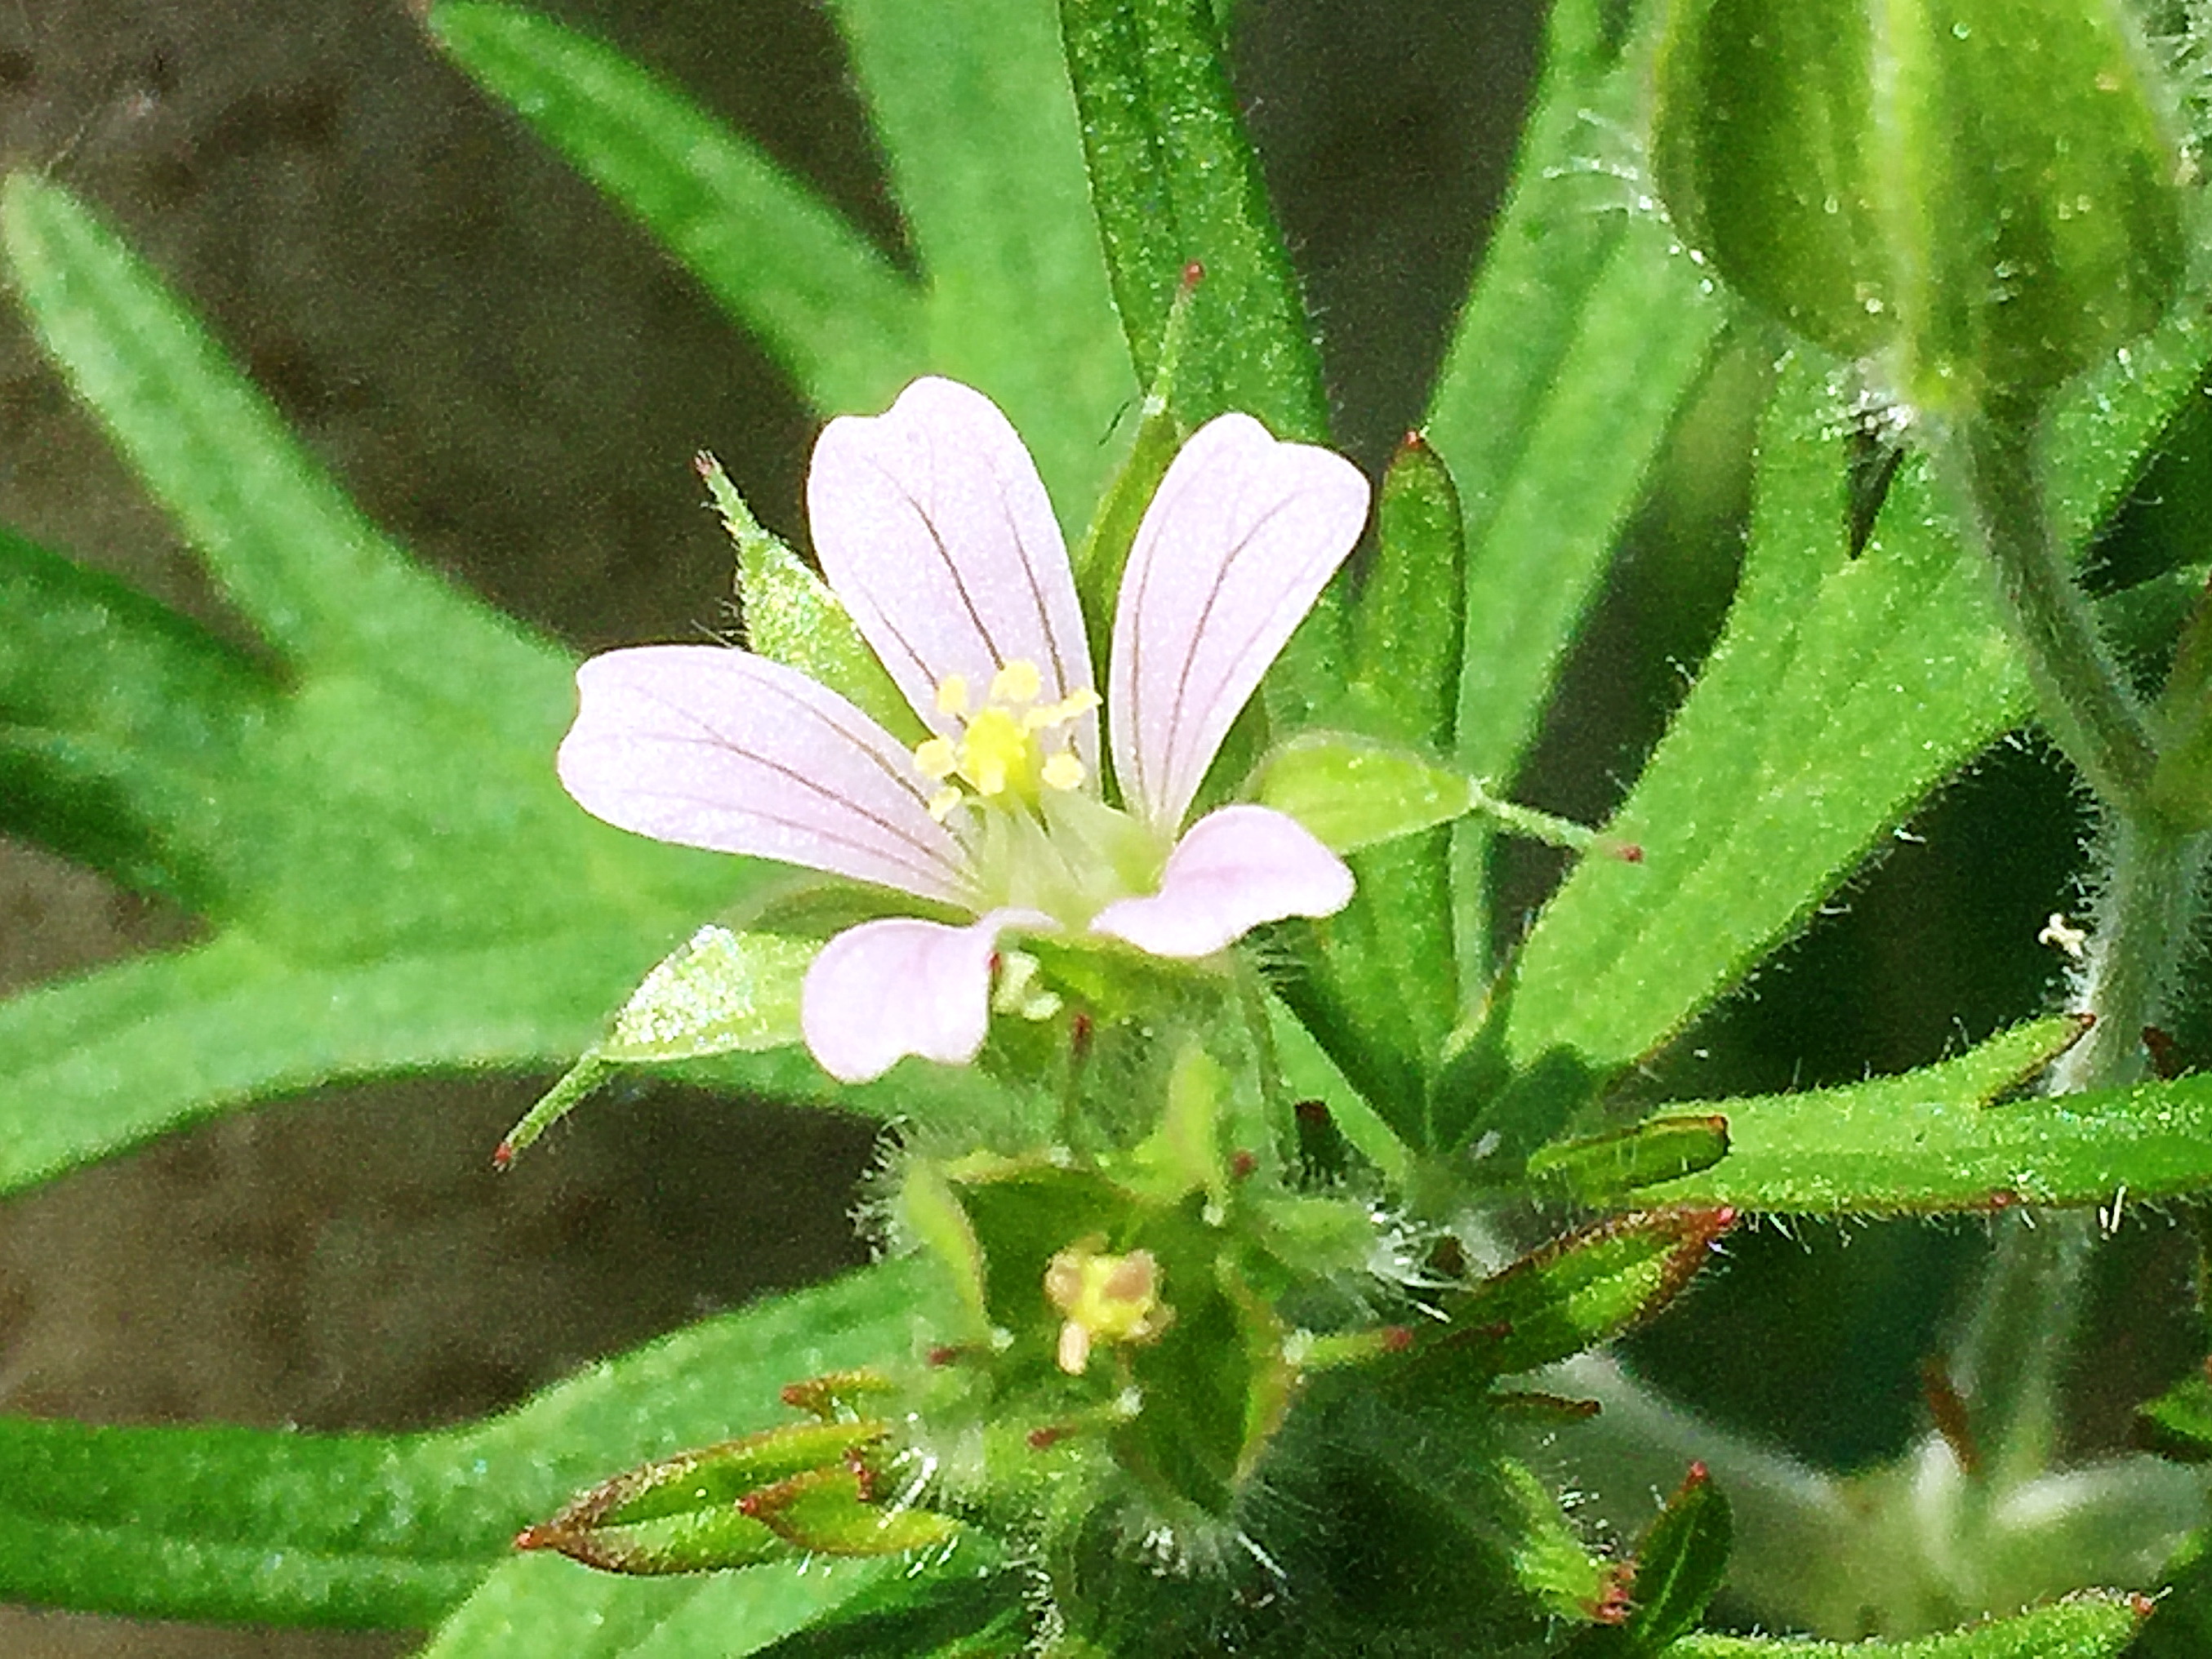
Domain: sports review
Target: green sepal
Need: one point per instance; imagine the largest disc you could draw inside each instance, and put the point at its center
(2091, 1624)
(720, 993)
(688, 1513)
(1575, 1292)
(1666, 1147)
(791, 616)
(1985, 193)
(1681, 1562)
(1548, 1557)
(1355, 792)
(842, 1512)
(1406, 627)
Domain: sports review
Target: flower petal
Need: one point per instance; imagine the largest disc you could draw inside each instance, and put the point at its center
(886, 989)
(932, 525)
(1235, 869)
(711, 747)
(1239, 541)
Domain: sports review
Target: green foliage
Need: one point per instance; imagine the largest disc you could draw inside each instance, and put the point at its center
(393, 1531)
(1842, 692)
(2088, 1626)
(1577, 1291)
(1932, 1140)
(1582, 337)
(344, 811)
(837, 316)
(1174, 180)
(1181, 1314)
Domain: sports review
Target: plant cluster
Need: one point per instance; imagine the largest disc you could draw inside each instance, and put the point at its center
(1119, 827)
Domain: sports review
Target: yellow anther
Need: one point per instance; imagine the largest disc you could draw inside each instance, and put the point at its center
(1073, 706)
(952, 695)
(943, 802)
(1016, 682)
(1063, 771)
(937, 758)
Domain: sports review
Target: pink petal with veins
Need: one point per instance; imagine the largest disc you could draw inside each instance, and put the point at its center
(1241, 537)
(932, 525)
(1233, 869)
(710, 747)
(886, 989)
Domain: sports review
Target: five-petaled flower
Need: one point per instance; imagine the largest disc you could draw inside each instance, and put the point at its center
(933, 528)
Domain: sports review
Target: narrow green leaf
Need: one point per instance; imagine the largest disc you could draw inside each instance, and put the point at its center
(284, 541)
(1174, 180)
(114, 711)
(974, 117)
(392, 1531)
(1405, 650)
(1841, 693)
(1575, 1292)
(1927, 1141)
(2094, 1625)
(825, 303)
(955, 1615)
(100, 1064)
(95, 1065)
(1584, 335)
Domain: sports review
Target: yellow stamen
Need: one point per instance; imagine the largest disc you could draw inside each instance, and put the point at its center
(937, 759)
(1016, 682)
(994, 752)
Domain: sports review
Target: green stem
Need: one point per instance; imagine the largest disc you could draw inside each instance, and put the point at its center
(2010, 1363)
(2082, 697)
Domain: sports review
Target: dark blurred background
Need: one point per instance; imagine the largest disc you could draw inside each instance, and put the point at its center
(513, 380)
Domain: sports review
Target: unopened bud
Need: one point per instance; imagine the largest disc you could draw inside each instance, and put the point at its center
(1983, 196)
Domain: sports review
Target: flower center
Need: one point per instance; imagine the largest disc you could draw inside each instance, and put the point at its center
(1000, 754)
(1039, 840)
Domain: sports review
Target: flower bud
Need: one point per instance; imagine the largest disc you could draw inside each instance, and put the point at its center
(1984, 196)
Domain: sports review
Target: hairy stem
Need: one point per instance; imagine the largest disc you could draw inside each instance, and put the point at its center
(2081, 694)
(2011, 1360)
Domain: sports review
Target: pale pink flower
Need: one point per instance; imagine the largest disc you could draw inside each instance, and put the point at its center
(933, 528)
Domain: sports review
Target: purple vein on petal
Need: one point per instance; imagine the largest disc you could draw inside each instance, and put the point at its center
(1198, 621)
(964, 504)
(767, 761)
